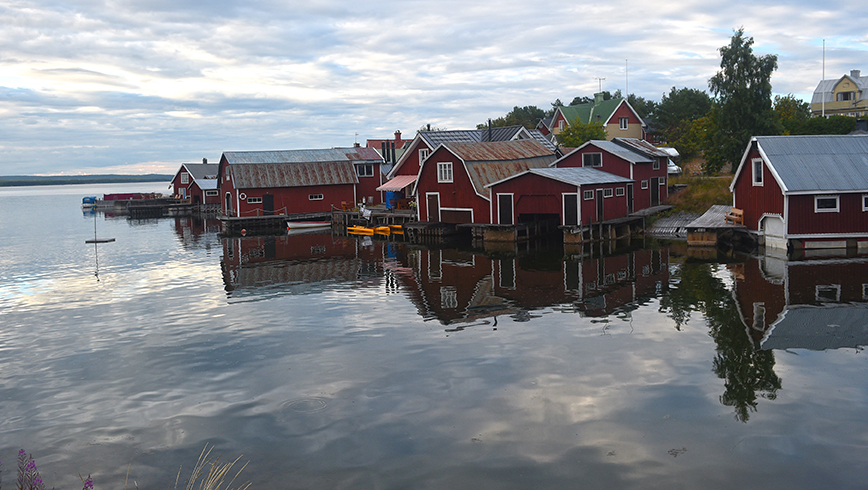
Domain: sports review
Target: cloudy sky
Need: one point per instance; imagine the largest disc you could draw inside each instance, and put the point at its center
(122, 86)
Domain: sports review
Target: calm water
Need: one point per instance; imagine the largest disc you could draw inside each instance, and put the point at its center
(333, 362)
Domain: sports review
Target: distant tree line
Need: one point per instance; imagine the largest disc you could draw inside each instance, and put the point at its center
(715, 127)
(27, 180)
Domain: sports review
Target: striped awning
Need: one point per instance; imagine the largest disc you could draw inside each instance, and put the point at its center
(398, 183)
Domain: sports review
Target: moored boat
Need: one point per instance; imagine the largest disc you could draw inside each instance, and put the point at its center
(298, 225)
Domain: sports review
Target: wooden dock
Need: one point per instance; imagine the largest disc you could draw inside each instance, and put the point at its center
(712, 227)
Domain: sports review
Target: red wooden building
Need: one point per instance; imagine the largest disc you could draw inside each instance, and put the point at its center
(632, 158)
(197, 182)
(805, 191)
(451, 184)
(577, 196)
(262, 183)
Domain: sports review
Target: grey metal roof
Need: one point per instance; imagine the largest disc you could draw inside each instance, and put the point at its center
(641, 146)
(627, 154)
(493, 161)
(826, 88)
(270, 175)
(355, 154)
(824, 163)
(580, 176)
(508, 133)
(201, 171)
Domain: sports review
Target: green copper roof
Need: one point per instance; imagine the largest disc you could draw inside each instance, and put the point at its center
(589, 112)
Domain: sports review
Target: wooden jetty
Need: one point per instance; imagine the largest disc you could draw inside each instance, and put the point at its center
(273, 224)
(518, 232)
(713, 229)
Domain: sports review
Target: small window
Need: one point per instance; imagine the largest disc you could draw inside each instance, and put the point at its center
(423, 154)
(212, 193)
(644, 184)
(592, 160)
(444, 172)
(561, 125)
(619, 191)
(588, 195)
(845, 96)
(623, 122)
(254, 200)
(865, 202)
(828, 293)
(185, 178)
(826, 204)
(314, 197)
(662, 182)
(607, 192)
(757, 166)
(656, 165)
(365, 170)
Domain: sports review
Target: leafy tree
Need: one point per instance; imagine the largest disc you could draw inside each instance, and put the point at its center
(527, 116)
(691, 137)
(645, 108)
(676, 110)
(743, 100)
(830, 125)
(791, 113)
(578, 133)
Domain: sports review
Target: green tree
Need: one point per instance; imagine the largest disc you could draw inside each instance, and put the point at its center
(691, 137)
(578, 133)
(743, 99)
(829, 125)
(791, 113)
(527, 116)
(676, 110)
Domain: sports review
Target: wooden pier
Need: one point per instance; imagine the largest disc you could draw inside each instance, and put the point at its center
(264, 225)
(518, 232)
(713, 229)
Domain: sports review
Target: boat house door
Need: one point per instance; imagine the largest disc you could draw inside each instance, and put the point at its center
(655, 191)
(504, 209)
(571, 209)
(268, 204)
(433, 201)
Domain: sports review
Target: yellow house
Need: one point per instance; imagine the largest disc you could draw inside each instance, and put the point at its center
(845, 96)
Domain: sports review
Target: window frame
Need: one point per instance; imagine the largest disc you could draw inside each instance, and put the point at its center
(364, 170)
(599, 155)
(836, 209)
(185, 178)
(588, 195)
(623, 123)
(619, 191)
(254, 200)
(212, 193)
(644, 184)
(442, 169)
(608, 192)
(864, 202)
(424, 153)
(315, 197)
(757, 167)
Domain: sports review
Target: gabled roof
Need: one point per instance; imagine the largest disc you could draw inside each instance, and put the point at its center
(826, 88)
(297, 168)
(203, 174)
(591, 112)
(489, 162)
(811, 164)
(641, 146)
(630, 153)
(433, 139)
(577, 176)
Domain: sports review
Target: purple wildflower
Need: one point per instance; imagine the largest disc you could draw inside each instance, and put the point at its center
(88, 483)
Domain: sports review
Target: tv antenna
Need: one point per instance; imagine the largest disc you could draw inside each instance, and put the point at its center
(600, 81)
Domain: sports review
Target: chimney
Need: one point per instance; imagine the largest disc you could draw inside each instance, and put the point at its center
(398, 143)
(204, 160)
(855, 73)
(598, 97)
(429, 127)
(384, 147)
(489, 129)
(356, 144)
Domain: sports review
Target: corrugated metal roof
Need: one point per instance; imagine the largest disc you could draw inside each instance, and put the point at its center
(641, 146)
(201, 171)
(826, 89)
(269, 175)
(826, 163)
(493, 161)
(621, 151)
(580, 176)
(356, 154)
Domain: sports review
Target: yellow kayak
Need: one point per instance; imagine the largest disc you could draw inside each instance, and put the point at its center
(360, 230)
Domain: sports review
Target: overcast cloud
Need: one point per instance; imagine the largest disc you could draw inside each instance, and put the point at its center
(121, 86)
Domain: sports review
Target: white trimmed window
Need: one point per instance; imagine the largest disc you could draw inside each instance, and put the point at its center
(561, 125)
(623, 122)
(827, 204)
(607, 192)
(592, 159)
(619, 191)
(314, 197)
(423, 154)
(865, 202)
(588, 195)
(644, 184)
(656, 165)
(444, 172)
(254, 200)
(185, 178)
(365, 170)
(212, 193)
(757, 170)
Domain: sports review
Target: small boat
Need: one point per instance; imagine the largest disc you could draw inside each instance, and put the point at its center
(298, 225)
(88, 202)
(360, 230)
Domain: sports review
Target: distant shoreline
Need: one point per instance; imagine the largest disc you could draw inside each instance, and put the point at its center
(31, 180)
